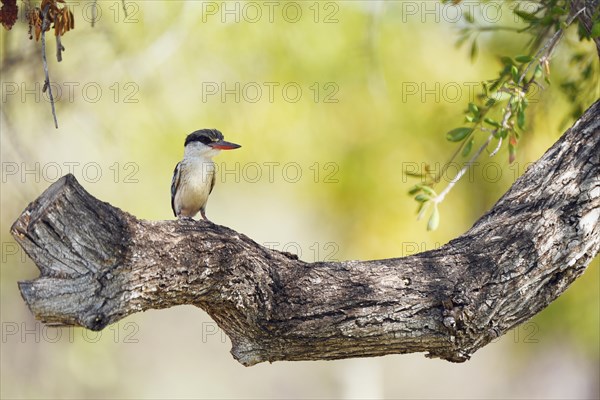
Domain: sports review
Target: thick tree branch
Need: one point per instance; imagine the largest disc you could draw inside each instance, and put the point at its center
(99, 264)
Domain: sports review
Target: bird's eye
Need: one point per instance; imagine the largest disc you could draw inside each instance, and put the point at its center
(205, 140)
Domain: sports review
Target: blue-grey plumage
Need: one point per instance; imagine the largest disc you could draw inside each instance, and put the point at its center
(194, 176)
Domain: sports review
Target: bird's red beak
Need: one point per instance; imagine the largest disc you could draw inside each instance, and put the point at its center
(223, 145)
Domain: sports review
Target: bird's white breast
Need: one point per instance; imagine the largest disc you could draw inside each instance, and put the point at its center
(194, 187)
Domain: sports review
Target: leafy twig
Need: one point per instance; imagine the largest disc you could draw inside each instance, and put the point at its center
(439, 198)
(511, 82)
(548, 48)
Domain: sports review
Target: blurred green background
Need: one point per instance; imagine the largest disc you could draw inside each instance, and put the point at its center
(331, 101)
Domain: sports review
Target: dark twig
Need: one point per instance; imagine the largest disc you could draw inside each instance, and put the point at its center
(47, 86)
(94, 12)
(124, 8)
(59, 48)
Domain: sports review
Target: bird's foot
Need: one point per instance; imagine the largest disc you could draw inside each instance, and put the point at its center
(204, 216)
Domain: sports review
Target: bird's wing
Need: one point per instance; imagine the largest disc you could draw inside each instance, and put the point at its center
(174, 186)
(212, 182)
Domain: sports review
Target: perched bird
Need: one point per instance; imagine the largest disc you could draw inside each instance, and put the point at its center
(194, 176)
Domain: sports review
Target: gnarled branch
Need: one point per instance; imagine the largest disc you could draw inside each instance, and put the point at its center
(99, 264)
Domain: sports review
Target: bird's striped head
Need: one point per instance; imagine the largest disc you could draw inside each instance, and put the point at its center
(208, 142)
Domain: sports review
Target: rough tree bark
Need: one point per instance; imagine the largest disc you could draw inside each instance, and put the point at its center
(99, 264)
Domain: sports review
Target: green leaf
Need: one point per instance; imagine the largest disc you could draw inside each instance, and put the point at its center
(525, 15)
(473, 109)
(500, 133)
(595, 30)
(429, 191)
(512, 153)
(587, 72)
(548, 20)
(495, 85)
(414, 190)
(521, 118)
(484, 86)
(474, 50)
(467, 148)
(422, 209)
(501, 96)
(523, 59)
(469, 17)
(578, 57)
(492, 122)
(515, 73)
(434, 220)
(421, 198)
(538, 72)
(461, 40)
(458, 134)
(506, 61)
